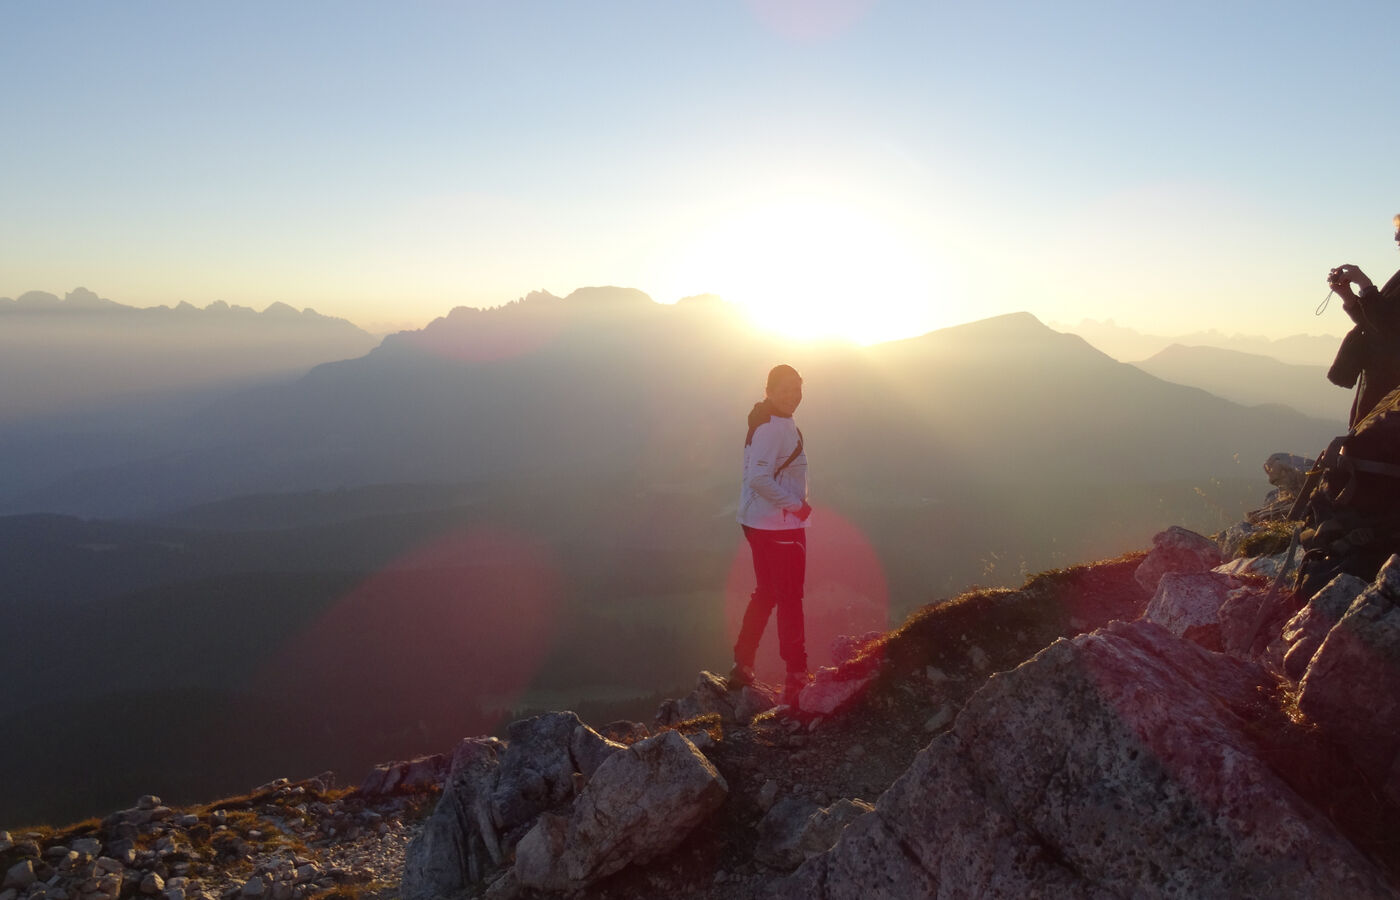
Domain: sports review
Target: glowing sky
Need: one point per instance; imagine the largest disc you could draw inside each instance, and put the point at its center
(896, 166)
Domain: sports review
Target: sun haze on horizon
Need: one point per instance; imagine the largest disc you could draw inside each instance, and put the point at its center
(850, 169)
(812, 267)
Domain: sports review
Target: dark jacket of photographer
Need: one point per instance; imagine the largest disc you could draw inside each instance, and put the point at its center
(1370, 353)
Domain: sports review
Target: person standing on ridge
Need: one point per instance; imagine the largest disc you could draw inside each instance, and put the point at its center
(1370, 352)
(774, 514)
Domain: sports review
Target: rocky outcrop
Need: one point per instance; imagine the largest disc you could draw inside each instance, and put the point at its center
(712, 696)
(1292, 649)
(795, 829)
(1117, 763)
(421, 774)
(1190, 604)
(1177, 550)
(1351, 686)
(558, 806)
(833, 688)
(641, 804)
(496, 792)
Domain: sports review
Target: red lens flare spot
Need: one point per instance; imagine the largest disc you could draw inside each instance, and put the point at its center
(445, 638)
(846, 593)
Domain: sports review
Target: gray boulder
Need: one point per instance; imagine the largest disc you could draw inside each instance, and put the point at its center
(1176, 550)
(796, 829)
(1187, 601)
(1113, 764)
(1293, 649)
(419, 774)
(459, 841)
(1287, 472)
(1352, 685)
(640, 804)
(831, 689)
(494, 794)
(537, 769)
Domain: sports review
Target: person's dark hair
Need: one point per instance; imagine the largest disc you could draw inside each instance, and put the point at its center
(778, 373)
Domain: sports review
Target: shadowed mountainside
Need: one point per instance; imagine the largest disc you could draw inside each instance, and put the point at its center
(1251, 380)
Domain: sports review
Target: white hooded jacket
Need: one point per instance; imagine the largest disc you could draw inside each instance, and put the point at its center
(766, 501)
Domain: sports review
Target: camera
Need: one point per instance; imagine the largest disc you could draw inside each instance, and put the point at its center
(1338, 277)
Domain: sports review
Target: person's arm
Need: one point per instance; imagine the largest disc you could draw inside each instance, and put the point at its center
(1341, 280)
(764, 456)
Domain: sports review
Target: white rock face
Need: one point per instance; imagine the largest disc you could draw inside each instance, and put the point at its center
(1186, 601)
(1176, 550)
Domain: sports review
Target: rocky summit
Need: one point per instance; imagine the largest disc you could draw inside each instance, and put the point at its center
(1172, 723)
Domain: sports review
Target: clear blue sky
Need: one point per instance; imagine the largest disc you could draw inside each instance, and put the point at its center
(1172, 166)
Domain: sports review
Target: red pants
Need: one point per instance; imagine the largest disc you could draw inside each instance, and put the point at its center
(780, 569)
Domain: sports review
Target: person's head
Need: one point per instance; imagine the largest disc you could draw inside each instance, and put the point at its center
(784, 389)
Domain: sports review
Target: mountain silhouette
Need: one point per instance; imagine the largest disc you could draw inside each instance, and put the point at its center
(605, 382)
(87, 356)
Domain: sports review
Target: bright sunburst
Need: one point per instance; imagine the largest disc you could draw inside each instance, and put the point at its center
(811, 268)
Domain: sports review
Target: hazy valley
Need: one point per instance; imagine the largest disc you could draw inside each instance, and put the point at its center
(533, 505)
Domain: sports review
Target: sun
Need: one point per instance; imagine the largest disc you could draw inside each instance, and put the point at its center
(813, 268)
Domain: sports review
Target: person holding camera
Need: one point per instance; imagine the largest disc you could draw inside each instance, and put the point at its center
(1369, 357)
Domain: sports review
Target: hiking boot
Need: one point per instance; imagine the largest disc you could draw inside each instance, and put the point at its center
(793, 686)
(739, 676)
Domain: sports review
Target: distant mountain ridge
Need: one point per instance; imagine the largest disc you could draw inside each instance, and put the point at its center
(1252, 379)
(90, 356)
(81, 300)
(605, 382)
(1128, 345)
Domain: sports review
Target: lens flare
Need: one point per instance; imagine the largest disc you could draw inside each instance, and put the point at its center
(443, 639)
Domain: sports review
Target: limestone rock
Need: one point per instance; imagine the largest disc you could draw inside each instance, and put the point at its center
(1297, 642)
(1250, 618)
(538, 855)
(1262, 566)
(495, 794)
(712, 695)
(537, 768)
(1113, 764)
(832, 689)
(624, 732)
(640, 804)
(796, 829)
(824, 827)
(1176, 550)
(589, 749)
(1352, 686)
(459, 840)
(419, 774)
(1187, 602)
(779, 831)
(1287, 472)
